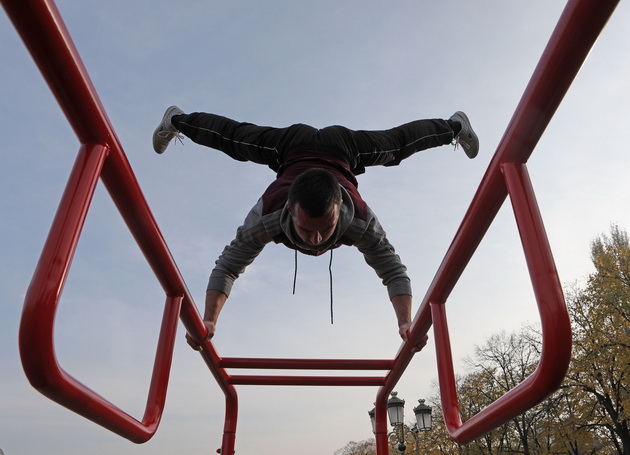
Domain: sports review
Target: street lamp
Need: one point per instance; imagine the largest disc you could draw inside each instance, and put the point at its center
(372, 414)
(402, 433)
(396, 410)
(423, 416)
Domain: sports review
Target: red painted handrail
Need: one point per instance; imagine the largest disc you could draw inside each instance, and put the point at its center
(36, 330)
(575, 34)
(101, 156)
(556, 327)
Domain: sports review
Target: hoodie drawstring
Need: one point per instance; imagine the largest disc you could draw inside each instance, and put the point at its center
(331, 289)
(295, 272)
(330, 274)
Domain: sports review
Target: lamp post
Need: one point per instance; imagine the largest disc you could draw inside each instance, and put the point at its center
(401, 434)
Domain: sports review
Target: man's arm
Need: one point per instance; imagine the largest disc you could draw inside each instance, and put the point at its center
(381, 256)
(250, 240)
(402, 308)
(214, 304)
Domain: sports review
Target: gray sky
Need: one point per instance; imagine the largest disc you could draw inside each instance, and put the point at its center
(366, 65)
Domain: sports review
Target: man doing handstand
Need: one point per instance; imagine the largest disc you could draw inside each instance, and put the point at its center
(313, 205)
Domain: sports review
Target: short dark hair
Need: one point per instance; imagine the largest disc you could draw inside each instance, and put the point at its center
(316, 190)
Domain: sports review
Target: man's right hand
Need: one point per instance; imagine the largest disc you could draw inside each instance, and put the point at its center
(210, 327)
(214, 304)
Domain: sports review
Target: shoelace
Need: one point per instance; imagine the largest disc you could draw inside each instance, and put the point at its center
(457, 142)
(170, 135)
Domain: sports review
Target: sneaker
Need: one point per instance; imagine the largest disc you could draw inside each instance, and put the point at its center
(165, 132)
(466, 137)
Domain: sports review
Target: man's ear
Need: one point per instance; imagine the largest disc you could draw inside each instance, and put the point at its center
(288, 206)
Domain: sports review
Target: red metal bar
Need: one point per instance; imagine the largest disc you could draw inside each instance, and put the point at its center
(381, 432)
(228, 441)
(448, 388)
(576, 32)
(45, 35)
(305, 364)
(555, 320)
(101, 154)
(307, 380)
(556, 326)
(36, 331)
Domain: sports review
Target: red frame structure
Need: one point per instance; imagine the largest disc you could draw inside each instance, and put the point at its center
(101, 156)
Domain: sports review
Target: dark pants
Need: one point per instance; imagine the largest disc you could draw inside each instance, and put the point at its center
(271, 146)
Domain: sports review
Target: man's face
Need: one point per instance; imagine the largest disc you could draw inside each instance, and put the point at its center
(314, 231)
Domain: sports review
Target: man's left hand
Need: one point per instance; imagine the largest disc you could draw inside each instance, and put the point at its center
(403, 330)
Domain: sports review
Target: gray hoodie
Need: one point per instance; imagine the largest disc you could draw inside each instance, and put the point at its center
(260, 228)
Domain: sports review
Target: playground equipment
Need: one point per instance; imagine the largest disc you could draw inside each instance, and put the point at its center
(101, 156)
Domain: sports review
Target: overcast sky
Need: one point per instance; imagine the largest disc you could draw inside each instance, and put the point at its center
(363, 64)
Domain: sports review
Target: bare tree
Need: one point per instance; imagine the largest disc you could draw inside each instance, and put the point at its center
(600, 372)
(365, 447)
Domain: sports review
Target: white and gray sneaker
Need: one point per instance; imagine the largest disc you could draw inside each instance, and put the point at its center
(466, 137)
(166, 132)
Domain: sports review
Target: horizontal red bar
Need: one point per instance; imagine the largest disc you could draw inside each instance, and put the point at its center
(308, 380)
(305, 364)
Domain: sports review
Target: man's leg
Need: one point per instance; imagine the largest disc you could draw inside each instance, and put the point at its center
(241, 141)
(389, 147)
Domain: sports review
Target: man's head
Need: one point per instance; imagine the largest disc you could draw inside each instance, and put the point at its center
(314, 203)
